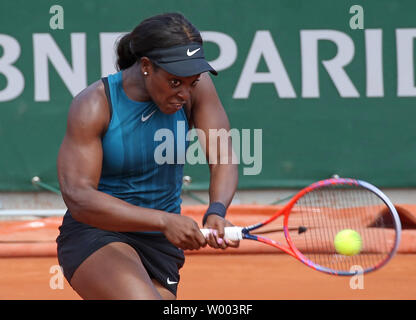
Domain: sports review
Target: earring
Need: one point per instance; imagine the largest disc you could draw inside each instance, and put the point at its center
(145, 73)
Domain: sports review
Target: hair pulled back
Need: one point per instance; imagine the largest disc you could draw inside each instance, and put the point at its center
(160, 31)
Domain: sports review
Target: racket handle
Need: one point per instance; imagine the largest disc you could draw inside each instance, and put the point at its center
(231, 233)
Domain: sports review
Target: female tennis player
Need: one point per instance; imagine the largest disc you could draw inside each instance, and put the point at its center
(123, 236)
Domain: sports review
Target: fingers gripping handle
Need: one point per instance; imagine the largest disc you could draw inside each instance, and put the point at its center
(231, 233)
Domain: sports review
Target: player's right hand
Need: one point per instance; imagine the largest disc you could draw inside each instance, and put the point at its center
(183, 232)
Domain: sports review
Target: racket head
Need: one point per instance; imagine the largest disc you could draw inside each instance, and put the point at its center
(330, 206)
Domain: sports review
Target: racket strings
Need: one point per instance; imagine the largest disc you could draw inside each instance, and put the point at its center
(355, 217)
(358, 215)
(328, 210)
(373, 238)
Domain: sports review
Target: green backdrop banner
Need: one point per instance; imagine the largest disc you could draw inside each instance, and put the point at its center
(330, 84)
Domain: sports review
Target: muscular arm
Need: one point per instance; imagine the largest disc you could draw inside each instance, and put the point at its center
(79, 169)
(208, 113)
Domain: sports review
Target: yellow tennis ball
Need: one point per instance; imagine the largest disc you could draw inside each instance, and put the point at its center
(348, 242)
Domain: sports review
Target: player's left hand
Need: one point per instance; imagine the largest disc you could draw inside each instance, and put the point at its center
(216, 238)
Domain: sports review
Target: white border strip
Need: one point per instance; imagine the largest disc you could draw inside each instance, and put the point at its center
(32, 212)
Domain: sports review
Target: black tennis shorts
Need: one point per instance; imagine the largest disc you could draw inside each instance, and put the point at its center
(77, 241)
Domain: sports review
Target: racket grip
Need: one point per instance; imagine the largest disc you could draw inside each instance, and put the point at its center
(231, 233)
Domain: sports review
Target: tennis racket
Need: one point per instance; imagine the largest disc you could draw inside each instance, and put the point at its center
(316, 214)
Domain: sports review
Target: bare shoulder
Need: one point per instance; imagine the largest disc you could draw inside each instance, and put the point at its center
(205, 87)
(89, 109)
(205, 94)
(207, 109)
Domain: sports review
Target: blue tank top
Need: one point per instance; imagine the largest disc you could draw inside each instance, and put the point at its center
(138, 165)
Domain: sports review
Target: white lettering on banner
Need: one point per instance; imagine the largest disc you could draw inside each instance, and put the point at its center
(263, 46)
(15, 80)
(74, 74)
(227, 46)
(374, 62)
(334, 67)
(108, 51)
(405, 63)
(45, 49)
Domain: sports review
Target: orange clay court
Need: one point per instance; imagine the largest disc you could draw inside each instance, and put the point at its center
(252, 272)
